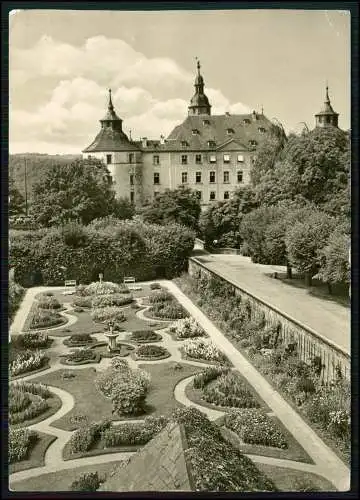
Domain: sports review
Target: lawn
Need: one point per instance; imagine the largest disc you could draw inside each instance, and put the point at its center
(36, 455)
(292, 480)
(92, 404)
(62, 479)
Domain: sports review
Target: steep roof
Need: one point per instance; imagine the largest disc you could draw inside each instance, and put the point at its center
(109, 139)
(327, 108)
(159, 466)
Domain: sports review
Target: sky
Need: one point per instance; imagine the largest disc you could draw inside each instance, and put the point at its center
(62, 63)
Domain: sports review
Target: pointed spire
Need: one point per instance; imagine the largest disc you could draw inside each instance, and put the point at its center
(199, 103)
(110, 106)
(198, 65)
(327, 93)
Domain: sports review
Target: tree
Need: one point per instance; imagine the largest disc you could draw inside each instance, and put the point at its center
(334, 258)
(16, 200)
(304, 241)
(81, 191)
(180, 206)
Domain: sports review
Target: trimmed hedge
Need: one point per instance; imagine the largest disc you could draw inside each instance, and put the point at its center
(128, 434)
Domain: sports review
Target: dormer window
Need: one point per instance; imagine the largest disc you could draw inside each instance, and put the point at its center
(184, 143)
(206, 122)
(253, 143)
(195, 131)
(230, 131)
(261, 130)
(246, 121)
(211, 144)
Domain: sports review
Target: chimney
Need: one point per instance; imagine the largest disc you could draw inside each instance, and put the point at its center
(144, 142)
(162, 139)
(227, 113)
(254, 115)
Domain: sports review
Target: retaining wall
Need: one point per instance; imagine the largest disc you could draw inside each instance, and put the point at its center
(309, 343)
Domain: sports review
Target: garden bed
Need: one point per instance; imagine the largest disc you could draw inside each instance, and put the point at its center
(290, 480)
(32, 372)
(73, 362)
(36, 454)
(150, 352)
(122, 349)
(79, 340)
(27, 361)
(144, 336)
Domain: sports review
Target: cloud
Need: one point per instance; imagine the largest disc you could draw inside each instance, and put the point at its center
(151, 95)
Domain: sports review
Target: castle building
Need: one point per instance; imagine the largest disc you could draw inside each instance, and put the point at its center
(327, 116)
(211, 154)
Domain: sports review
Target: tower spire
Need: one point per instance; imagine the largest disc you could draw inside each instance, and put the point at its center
(327, 116)
(110, 105)
(199, 104)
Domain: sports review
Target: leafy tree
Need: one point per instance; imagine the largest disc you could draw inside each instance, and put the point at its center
(16, 200)
(221, 221)
(180, 206)
(123, 209)
(334, 258)
(79, 191)
(304, 241)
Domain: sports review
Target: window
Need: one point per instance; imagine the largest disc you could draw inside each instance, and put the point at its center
(131, 179)
(195, 131)
(226, 195)
(199, 195)
(131, 157)
(252, 142)
(212, 195)
(226, 177)
(212, 176)
(132, 196)
(206, 122)
(184, 143)
(230, 131)
(198, 159)
(212, 158)
(108, 159)
(240, 158)
(184, 177)
(89, 157)
(184, 159)
(246, 121)
(211, 144)
(262, 130)
(156, 178)
(198, 177)
(240, 176)
(156, 160)
(226, 158)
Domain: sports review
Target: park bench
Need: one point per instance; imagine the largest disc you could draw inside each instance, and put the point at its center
(129, 279)
(70, 282)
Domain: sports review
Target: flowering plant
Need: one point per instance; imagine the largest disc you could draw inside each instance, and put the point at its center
(27, 361)
(20, 441)
(104, 288)
(110, 313)
(203, 349)
(187, 328)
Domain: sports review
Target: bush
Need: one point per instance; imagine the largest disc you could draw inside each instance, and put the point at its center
(155, 286)
(187, 328)
(253, 426)
(82, 302)
(20, 442)
(104, 288)
(84, 437)
(18, 401)
(210, 373)
(203, 349)
(168, 310)
(114, 299)
(45, 318)
(151, 351)
(90, 481)
(27, 361)
(104, 314)
(133, 434)
(230, 390)
(31, 340)
(141, 336)
(48, 302)
(16, 293)
(161, 296)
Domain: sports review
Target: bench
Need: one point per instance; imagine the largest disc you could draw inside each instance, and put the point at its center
(70, 282)
(129, 279)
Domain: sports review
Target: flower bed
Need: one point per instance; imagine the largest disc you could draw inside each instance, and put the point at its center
(81, 357)
(121, 349)
(26, 401)
(31, 340)
(79, 340)
(203, 349)
(160, 296)
(45, 318)
(111, 313)
(20, 443)
(129, 434)
(155, 286)
(168, 310)
(103, 288)
(27, 361)
(230, 390)
(112, 299)
(210, 373)
(48, 302)
(151, 351)
(187, 328)
(81, 301)
(253, 426)
(145, 336)
(83, 439)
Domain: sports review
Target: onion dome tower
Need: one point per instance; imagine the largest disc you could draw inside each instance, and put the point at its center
(327, 117)
(199, 104)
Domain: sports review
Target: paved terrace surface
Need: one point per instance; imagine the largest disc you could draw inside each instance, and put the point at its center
(325, 317)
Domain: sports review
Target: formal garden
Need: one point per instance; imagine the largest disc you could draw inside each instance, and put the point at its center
(100, 370)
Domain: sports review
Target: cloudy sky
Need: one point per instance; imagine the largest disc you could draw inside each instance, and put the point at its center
(63, 62)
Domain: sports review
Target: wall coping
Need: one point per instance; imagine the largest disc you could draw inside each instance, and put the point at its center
(278, 311)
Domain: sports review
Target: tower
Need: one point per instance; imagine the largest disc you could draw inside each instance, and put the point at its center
(327, 116)
(199, 104)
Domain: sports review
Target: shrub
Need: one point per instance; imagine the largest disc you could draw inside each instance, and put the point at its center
(79, 339)
(160, 296)
(170, 310)
(20, 442)
(230, 390)
(253, 426)
(18, 401)
(81, 355)
(155, 286)
(27, 361)
(210, 373)
(48, 302)
(16, 293)
(113, 299)
(30, 340)
(90, 481)
(133, 434)
(104, 314)
(45, 318)
(104, 288)
(145, 336)
(203, 349)
(187, 328)
(151, 351)
(84, 437)
(82, 302)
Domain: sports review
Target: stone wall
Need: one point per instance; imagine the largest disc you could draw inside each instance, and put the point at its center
(309, 343)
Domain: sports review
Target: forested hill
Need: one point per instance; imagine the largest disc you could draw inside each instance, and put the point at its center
(36, 165)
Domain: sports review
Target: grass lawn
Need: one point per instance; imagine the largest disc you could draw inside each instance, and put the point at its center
(36, 455)
(62, 479)
(290, 480)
